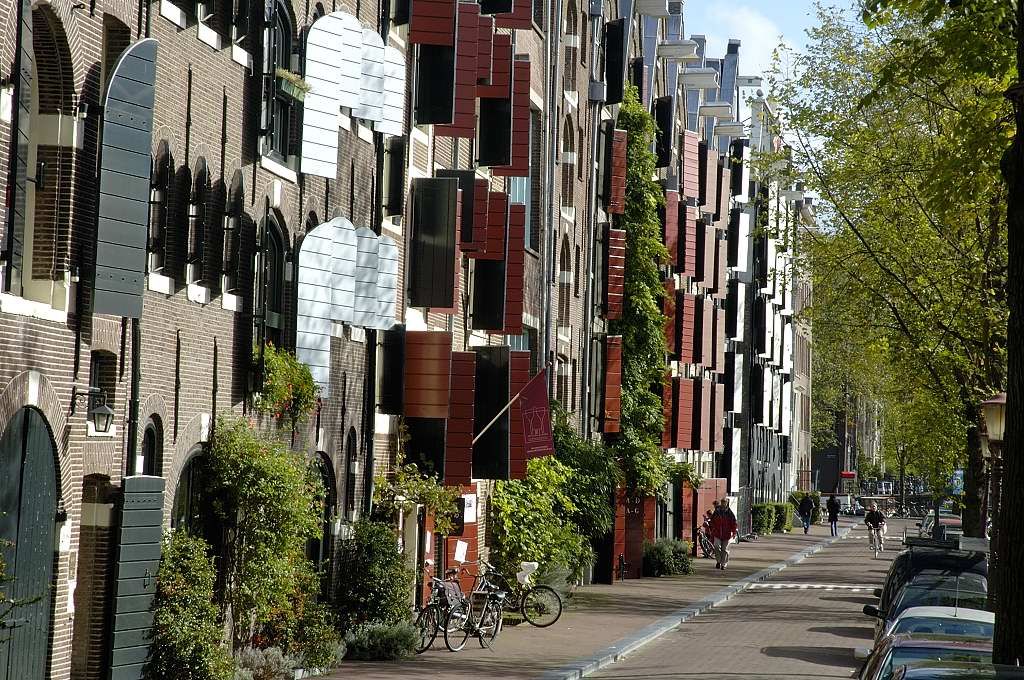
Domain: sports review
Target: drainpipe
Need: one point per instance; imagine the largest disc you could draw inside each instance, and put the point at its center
(552, 59)
(592, 236)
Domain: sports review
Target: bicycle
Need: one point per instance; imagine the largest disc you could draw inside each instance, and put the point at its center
(444, 594)
(539, 604)
(707, 546)
(876, 539)
(481, 615)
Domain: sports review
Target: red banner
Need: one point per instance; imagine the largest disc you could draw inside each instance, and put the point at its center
(536, 411)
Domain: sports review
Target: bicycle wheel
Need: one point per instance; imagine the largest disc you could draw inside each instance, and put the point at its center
(426, 628)
(706, 547)
(490, 626)
(457, 627)
(541, 606)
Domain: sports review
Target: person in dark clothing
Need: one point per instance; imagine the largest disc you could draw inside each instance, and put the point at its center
(723, 531)
(833, 514)
(806, 509)
(875, 522)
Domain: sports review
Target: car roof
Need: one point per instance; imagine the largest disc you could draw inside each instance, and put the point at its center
(953, 670)
(930, 641)
(963, 613)
(937, 558)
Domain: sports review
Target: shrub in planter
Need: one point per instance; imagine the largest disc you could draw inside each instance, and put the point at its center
(762, 518)
(267, 664)
(382, 642)
(305, 629)
(783, 517)
(377, 585)
(667, 557)
(186, 638)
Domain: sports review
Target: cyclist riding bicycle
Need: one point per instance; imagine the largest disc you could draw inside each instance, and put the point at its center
(875, 522)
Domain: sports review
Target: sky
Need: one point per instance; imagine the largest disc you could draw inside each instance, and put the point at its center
(758, 24)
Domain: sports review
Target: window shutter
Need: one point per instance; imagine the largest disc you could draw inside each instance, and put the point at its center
(350, 61)
(466, 50)
(432, 22)
(664, 117)
(515, 269)
(314, 310)
(616, 49)
(458, 455)
(125, 166)
(233, 210)
(472, 189)
(691, 166)
(688, 420)
(387, 282)
(724, 185)
(520, 163)
(615, 177)
(612, 383)
(371, 84)
(260, 292)
(485, 49)
(393, 122)
(494, 147)
(495, 6)
(519, 376)
(668, 308)
(343, 295)
(397, 147)
(706, 413)
(520, 15)
(435, 85)
(158, 205)
(432, 258)
(668, 412)
(670, 226)
(615, 272)
(367, 256)
(391, 398)
(491, 451)
(324, 42)
(197, 212)
(427, 374)
(692, 319)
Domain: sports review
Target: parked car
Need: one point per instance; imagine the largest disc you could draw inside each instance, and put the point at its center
(943, 670)
(897, 651)
(930, 588)
(946, 621)
(949, 520)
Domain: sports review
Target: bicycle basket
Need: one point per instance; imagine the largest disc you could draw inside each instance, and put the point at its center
(526, 570)
(451, 593)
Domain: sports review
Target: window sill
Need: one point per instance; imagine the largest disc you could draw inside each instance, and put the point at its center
(90, 431)
(158, 283)
(12, 304)
(231, 302)
(199, 294)
(240, 56)
(568, 214)
(365, 134)
(280, 169)
(173, 13)
(209, 36)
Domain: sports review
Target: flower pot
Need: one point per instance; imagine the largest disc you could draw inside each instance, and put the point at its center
(289, 88)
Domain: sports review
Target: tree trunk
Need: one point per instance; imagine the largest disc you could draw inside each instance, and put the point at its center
(974, 475)
(1008, 642)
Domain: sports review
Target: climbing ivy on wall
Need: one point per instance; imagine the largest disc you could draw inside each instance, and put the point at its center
(645, 466)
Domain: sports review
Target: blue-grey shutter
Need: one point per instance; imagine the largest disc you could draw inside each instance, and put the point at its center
(15, 244)
(344, 262)
(367, 251)
(371, 89)
(320, 107)
(314, 315)
(123, 224)
(350, 63)
(387, 282)
(138, 559)
(393, 121)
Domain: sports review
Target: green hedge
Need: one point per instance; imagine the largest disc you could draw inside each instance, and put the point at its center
(762, 517)
(797, 496)
(783, 517)
(667, 557)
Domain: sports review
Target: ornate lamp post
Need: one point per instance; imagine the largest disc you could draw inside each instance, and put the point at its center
(994, 411)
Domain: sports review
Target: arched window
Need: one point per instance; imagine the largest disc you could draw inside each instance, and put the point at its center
(195, 247)
(159, 183)
(568, 162)
(148, 459)
(279, 102)
(564, 282)
(190, 510)
(351, 473)
(270, 283)
(571, 42)
(320, 549)
(562, 381)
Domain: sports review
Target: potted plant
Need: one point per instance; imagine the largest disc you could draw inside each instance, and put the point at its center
(291, 84)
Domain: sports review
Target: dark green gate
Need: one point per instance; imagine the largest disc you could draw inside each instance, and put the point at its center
(28, 512)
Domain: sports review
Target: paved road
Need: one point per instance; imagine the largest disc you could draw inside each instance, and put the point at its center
(803, 623)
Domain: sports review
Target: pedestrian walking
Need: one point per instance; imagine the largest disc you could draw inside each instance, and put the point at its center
(723, 531)
(806, 509)
(833, 514)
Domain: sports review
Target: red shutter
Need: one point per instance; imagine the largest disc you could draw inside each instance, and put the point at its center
(464, 119)
(722, 271)
(458, 448)
(485, 48)
(519, 375)
(724, 182)
(691, 165)
(670, 226)
(718, 354)
(612, 382)
(706, 413)
(515, 270)
(432, 22)
(707, 274)
(688, 413)
(709, 179)
(428, 359)
(688, 346)
(707, 330)
(689, 264)
(617, 194)
(719, 428)
(500, 85)
(668, 431)
(520, 166)
(497, 222)
(521, 16)
(668, 308)
(615, 272)
(480, 194)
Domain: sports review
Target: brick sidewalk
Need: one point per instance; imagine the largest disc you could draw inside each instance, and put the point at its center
(598, 616)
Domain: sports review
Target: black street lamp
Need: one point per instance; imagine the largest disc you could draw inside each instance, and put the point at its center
(101, 415)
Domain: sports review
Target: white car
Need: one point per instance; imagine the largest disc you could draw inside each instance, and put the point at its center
(958, 622)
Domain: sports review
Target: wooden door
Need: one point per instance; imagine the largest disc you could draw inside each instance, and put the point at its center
(28, 510)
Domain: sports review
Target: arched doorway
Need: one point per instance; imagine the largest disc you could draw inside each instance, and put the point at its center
(28, 515)
(319, 550)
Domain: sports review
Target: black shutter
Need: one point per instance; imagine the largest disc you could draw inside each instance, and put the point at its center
(615, 50)
(636, 75)
(435, 85)
(732, 320)
(241, 19)
(431, 273)
(491, 451)
(401, 11)
(736, 164)
(14, 246)
(396, 175)
(138, 560)
(488, 295)
(664, 117)
(732, 252)
(260, 275)
(123, 226)
(392, 378)
(158, 204)
(233, 207)
(495, 6)
(467, 184)
(197, 213)
(425, 447)
(495, 143)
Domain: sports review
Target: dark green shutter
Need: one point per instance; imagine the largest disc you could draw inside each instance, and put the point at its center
(125, 169)
(138, 559)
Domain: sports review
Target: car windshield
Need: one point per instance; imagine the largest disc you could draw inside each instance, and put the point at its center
(916, 595)
(938, 625)
(902, 656)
